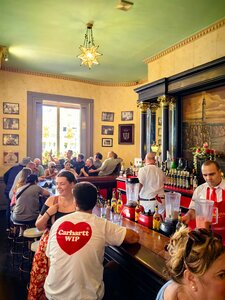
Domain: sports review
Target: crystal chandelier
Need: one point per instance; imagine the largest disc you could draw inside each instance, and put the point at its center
(89, 53)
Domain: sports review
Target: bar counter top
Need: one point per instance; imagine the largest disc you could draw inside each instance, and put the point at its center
(143, 264)
(150, 251)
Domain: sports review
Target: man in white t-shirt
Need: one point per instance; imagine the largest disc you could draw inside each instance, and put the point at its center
(76, 249)
(151, 181)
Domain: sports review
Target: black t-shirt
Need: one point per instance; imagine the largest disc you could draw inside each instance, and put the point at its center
(78, 166)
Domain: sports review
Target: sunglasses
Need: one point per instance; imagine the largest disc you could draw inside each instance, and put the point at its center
(198, 237)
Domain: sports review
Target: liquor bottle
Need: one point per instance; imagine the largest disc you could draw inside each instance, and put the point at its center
(139, 208)
(114, 201)
(195, 183)
(178, 179)
(168, 160)
(108, 210)
(180, 164)
(186, 168)
(179, 222)
(119, 204)
(174, 165)
(156, 219)
(187, 181)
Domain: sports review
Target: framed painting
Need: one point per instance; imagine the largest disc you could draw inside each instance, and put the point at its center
(10, 108)
(11, 139)
(126, 115)
(126, 134)
(108, 116)
(10, 157)
(107, 130)
(10, 123)
(107, 142)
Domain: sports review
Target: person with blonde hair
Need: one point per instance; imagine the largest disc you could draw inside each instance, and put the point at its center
(21, 182)
(196, 266)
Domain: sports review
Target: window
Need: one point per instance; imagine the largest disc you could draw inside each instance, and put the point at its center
(64, 136)
(59, 123)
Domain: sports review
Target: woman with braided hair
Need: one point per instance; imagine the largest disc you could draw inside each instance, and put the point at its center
(196, 266)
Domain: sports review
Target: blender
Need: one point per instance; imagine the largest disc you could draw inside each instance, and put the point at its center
(132, 191)
(172, 205)
(206, 214)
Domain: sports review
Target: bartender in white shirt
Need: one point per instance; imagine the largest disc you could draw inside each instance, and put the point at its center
(212, 189)
(151, 184)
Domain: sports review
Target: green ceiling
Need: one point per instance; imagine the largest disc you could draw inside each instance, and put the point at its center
(44, 35)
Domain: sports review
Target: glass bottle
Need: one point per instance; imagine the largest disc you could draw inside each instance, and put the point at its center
(195, 183)
(108, 210)
(119, 203)
(114, 201)
(139, 208)
(179, 222)
(156, 219)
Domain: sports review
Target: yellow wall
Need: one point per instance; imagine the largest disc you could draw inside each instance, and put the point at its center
(205, 46)
(199, 49)
(14, 87)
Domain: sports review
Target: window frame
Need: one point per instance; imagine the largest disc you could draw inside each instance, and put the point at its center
(34, 121)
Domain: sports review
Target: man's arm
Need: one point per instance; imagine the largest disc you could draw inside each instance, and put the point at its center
(131, 236)
(190, 215)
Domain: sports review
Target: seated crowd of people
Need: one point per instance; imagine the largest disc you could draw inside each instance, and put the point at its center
(72, 197)
(22, 180)
(75, 239)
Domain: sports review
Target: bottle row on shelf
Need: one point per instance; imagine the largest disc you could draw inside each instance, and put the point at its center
(181, 179)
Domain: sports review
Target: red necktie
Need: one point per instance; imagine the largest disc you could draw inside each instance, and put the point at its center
(213, 195)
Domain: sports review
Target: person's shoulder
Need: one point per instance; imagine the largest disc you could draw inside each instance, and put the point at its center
(50, 201)
(222, 184)
(201, 187)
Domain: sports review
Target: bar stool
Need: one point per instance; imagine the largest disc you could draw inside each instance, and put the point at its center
(16, 240)
(31, 235)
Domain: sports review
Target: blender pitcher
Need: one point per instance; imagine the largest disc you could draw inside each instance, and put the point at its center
(205, 213)
(132, 190)
(172, 203)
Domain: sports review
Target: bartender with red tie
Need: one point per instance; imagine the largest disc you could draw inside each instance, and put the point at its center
(212, 189)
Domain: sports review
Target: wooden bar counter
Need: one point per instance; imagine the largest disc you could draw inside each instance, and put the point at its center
(143, 264)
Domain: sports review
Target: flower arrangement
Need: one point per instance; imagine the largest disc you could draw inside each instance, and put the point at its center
(203, 153)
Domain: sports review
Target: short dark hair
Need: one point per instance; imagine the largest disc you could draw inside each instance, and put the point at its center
(85, 194)
(32, 178)
(98, 155)
(81, 156)
(68, 175)
(211, 162)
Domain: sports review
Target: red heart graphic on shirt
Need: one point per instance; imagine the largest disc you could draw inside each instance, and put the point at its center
(72, 237)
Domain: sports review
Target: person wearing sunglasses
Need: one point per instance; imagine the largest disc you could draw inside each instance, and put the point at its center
(196, 266)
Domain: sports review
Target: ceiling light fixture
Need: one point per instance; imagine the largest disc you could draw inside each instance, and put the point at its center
(89, 53)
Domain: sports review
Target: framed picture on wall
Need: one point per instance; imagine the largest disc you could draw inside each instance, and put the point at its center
(107, 142)
(108, 116)
(126, 134)
(11, 139)
(10, 123)
(10, 157)
(10, 108)
(107, 130)
(126, 115)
